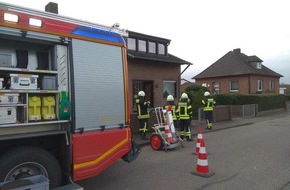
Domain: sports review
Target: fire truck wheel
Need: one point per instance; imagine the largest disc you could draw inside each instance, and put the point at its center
(29, 161)
(156, 142)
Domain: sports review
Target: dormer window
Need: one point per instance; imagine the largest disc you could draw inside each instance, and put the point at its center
(131, 43)
(152, 47)
(142, 45)
(259, 65)
(161, 49)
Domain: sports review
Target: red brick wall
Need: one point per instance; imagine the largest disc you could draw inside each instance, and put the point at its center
(266, 84)
(222, 113)
(244, 83)
(151, 71)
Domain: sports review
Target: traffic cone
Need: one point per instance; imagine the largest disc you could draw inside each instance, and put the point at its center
(202, 168)
(198, 141)
(168, 134)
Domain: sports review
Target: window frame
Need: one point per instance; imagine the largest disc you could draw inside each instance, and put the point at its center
(129, 46)
(259, 65)
(141, 46)
(272, 85)
(230, 84)
(150, 48)
(159, 48)
(260, 85)
(216, 88)
(174, 85)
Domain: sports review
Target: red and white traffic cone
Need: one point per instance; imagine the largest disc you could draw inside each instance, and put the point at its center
(168, 134)
(202, 168)
(198, 141)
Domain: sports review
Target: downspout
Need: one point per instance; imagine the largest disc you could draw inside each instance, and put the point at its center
(179, 81)
(249, 83)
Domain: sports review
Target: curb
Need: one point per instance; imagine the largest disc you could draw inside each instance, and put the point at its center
(145, 143)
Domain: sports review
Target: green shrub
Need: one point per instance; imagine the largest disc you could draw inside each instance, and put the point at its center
(265, 102)
(195, 94)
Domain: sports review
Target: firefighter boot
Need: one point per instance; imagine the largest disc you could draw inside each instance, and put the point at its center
(188, 138)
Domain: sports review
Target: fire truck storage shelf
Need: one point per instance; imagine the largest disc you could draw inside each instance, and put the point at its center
(8, 98)
(7, 115)
(5, 59)
(23, 81)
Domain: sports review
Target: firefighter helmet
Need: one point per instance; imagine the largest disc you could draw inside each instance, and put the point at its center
(206, 93)
(170, 98)
(141, 93)
(184, 95)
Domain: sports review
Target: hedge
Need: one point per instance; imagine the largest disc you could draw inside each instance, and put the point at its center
(265, 101)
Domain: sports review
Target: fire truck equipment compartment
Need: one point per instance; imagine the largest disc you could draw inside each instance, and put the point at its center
(22, 58)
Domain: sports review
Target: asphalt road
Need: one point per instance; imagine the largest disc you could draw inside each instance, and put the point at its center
(249, 157)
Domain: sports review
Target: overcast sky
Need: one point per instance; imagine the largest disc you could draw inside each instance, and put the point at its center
(201, 31)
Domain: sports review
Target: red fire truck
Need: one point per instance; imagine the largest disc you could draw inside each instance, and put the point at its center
(64, 108)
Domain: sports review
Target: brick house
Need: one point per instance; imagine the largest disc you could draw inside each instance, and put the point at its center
(185, 84)
(151, 69)
(236, 72)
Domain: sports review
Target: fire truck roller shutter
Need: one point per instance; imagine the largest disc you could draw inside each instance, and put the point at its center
(100, 92)
(29, 161)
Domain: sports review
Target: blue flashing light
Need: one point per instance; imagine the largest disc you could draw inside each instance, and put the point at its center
(98, 34)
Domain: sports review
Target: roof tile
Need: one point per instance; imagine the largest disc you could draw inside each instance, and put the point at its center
(235, 63)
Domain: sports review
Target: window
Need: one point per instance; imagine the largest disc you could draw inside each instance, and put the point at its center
(260, 85)
(161, 49)
(216, 88)
(272, 85)
(234, 86)
(169, 88)
(142, 45)
(259, 65)
(152, 47)
(131, 43)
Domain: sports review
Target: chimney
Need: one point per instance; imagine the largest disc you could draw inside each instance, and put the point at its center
(238, 50)
(51, 7)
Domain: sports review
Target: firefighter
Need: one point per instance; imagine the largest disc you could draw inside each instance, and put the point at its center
(208, 106)
(171, 106)
(184, 112)
(142, 114)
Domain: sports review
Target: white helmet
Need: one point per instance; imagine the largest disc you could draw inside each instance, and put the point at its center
(170, 98)
(184, 95)
(206, 93)
(141, 93)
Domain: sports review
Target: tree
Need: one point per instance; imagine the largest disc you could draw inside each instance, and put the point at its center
(195, 94)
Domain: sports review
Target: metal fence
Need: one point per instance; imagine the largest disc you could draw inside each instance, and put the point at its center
(249, 110)
(226, 112)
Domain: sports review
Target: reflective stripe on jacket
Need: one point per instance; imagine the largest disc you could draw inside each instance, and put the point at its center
(208, 104)
(142, 109)
(172, 108)
(184, 110)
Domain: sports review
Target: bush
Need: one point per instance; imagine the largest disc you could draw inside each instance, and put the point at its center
(195, 94)
(265, 102)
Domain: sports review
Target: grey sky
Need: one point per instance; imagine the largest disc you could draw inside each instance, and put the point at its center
(201, 32)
